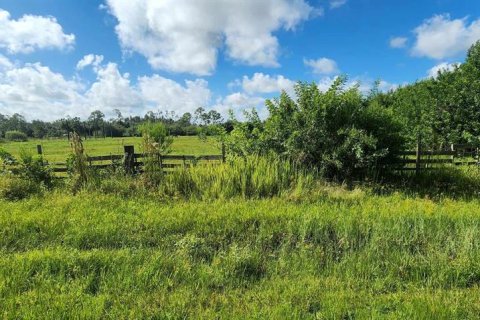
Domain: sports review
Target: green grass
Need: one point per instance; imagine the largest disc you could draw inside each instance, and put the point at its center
(340, 255)
(57, 150)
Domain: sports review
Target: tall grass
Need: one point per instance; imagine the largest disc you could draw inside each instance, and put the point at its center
(347, 255)
(249, 178)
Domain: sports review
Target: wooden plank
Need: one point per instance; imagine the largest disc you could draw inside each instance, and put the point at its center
(428, 153)
(106, 158)
(211, 157)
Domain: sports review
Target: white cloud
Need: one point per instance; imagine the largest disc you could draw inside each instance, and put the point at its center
(113, 90)
(30, 33)
(334, 4)
(238, 102)
(441, 67)
(165, 94)
(5, 63)
(398, 42)
(185, 36)
(90, 59)
(322, 65)
(441, 37)
(37, 92)
(263, 83)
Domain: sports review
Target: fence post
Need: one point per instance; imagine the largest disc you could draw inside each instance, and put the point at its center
(129, 158)
(452, 148)
(39, 149)
(418, 155)
(223, 152)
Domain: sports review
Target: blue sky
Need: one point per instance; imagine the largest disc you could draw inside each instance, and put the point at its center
(66, 57)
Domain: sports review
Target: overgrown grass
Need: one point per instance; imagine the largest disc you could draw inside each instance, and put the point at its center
(345, 255)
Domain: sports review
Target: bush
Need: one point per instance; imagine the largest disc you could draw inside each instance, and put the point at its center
(17, 136)
(16, 188)
(34, 170)
(339, 132)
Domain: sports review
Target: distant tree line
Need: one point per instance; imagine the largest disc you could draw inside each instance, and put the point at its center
(97, 125)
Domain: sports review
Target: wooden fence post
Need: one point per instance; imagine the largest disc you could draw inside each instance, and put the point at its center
(223, 153)
(129, 158)
(452, 148)
(418, 155)
(39, 149)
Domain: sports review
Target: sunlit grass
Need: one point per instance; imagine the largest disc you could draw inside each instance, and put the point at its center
(342, 254)
(57, 150)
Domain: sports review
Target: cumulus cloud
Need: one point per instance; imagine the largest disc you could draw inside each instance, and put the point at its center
(239, 102)
(441, 67)
(5, 63)
(398, 42)
(165, 94)
(264, 83)
(90, 60)
(441, 37)
(322, 65)
(334, 4)
(30, 33)
(39, 93)
(185, 36)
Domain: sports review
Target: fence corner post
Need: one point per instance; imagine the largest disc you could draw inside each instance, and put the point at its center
(129, 158)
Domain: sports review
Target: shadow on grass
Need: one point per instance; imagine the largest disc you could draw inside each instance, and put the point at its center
(451, 182)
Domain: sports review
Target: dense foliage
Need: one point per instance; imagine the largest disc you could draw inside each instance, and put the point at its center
(338, 131)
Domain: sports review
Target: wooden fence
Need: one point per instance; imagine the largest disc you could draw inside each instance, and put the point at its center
(420, 159)
(133, 162)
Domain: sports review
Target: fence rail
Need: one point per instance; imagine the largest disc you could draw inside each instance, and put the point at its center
(420, 159)
(417, 160)
(133, 162)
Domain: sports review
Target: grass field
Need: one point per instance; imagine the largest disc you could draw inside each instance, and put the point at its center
(57, 150)
(345, 255)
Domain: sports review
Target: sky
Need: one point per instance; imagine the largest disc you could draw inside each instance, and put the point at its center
(62, 58)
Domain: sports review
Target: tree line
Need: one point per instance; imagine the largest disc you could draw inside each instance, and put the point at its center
(97, 125)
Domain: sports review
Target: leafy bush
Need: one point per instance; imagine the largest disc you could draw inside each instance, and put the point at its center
(33, 169)
(15, 188)
(156, 141)
(16, 136)
(339, 131)
(6, 158)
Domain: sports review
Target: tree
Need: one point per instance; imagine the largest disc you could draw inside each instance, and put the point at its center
(96, 120)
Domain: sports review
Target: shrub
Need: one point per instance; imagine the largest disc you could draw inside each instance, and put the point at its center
(156, 141)
(16, 136)
(340, 132)
(33, 169)
(16, 188)
(6, 158)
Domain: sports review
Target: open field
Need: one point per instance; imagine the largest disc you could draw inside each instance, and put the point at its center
(56, 150)
(344, 255)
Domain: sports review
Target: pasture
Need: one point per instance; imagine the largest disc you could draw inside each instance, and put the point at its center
(57, 150)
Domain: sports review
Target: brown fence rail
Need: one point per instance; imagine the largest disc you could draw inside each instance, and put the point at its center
(417, 160)
(133, 162)
(420, 159)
